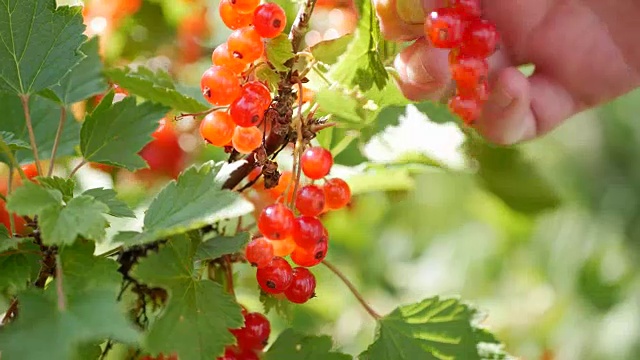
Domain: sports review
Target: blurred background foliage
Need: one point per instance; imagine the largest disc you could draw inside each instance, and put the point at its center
(556, 268)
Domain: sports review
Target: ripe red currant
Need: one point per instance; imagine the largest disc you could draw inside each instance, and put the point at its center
(308, 231)
(217, 128)
(245, 6)
(310, 200)
(316, 162)
(467, 108)
(247, 354)
(269, 20)
(246, 44)
(30, 170)
(276, 277)
(309, 257)
(469, 71)
(470, 8)
(219, 86)
(248, 110)
(444, 28)
(232, 18)
(480, 39)
(302, 287)
(259, 91)
(276, 222)
(480, 92)
(229, 354)
(259, 252)
(246, 139)
(221, 56)
(255, 332)
(283, 247)
(337, 193)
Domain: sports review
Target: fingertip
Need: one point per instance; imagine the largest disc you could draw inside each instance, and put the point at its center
(392, 25)
(423, 71)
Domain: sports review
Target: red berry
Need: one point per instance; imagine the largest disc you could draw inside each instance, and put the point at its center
(308, 231)
(310, 200)
(219, 86)
(337, 193)
(244, 6)
(467, 108)
(259, 252)
(255, 332)
(248, 110)
(302, 287)
(217, 128)
(221, 56)
(259, 91)
(469, 71)
(232, 18)
(30, 170)
(316, 162)
(480, 92)
(309, 257)
(246, 139)
(247, 354)
(276, 222)
(276, 277)
(470, 8)
(283, 247)
(480, 39)
(444, 28)
(269, 20)
(229, 354)
(246, 44)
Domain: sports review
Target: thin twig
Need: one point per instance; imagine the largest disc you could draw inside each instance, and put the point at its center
(353, 289)
(228, 271)
(56, 142)
(301, 24)
(32, 135)
(11, 312)
(75, 170)
(201, 113)
(62, 303)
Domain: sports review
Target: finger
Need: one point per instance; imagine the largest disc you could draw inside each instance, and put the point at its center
(423, 71)
(402, 20)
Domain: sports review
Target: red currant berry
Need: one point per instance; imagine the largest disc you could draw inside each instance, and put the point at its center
(30, 170)
(232, 18)
(245, 6)
(246, 111)
(219, 86)
(470, 8)
(259, 91)
(469, 71)
(222, 57)
(337, 193)
(283, 247)
(276, 222)
(302, 287)
(467, 108)
(229, 354)
(246, 139)
(276, 277)
(310, 200)
(308, 231)
(255, 332)
(247, 354)
(259, 252)
(316, 162)
(480, 39)
(309, 257)
(480, 92)
(269, 20)
(444, 28)
(217, 128)
(246, 44)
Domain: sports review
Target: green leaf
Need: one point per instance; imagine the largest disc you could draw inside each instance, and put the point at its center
(19, 266)
(117, 207)
(40, 44)
(7, 242)
(328, 51)
(279, 50)
(84, 80)
(221, 245)
(12, 142)
(82, 216)
(195, 200)
(291, 345)
(62, 326)
(88, 351)
(155, 86)
(31, 199)
(45, 116)
(268, 76)
(65, 186)
(361, 65)
(432, 329)
(114, 133)
(282, 307)
(198, 313)
(509, 175)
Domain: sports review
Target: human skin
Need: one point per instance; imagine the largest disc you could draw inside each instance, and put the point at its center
(585, 53)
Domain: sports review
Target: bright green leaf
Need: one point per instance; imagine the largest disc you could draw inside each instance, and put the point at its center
(198, 314)
(157, 87)
(12, 142)
(82, 216)
(279, 50)
(41, 44)
(7, 242)
(31, 199)
(329, 51)
(268, 76)
(84, 80)
(114, 133)
(282, 307)
(87, 312)
(117, 207)
(19, 266)
(291, 345)
(194, 200)
(65, 186)
(221, 245)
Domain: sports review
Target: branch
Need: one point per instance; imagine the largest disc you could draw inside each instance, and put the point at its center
(353, 289)
(75, 170)
(11, 313)
(56, 142)
(62, 303)
(32, 135)
(301, 24)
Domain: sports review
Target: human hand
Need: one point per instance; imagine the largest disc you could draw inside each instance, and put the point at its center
(585, 53)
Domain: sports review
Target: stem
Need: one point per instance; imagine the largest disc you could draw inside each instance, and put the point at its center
(201, 113)
(11, 313)
(353, 289)
(32, 135)
(228, 271)
(62, 304)
(3, 198)
(301, 24)
(75, 170)
(56, 142)
(12, 161)
(12, 221)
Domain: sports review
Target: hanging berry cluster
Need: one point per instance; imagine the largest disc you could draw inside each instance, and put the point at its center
(472, 40)
(251, 338)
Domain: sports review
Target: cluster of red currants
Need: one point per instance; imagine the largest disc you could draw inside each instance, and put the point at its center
(251, 338)
(304, 237)
(225, 84)
(472, 40)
